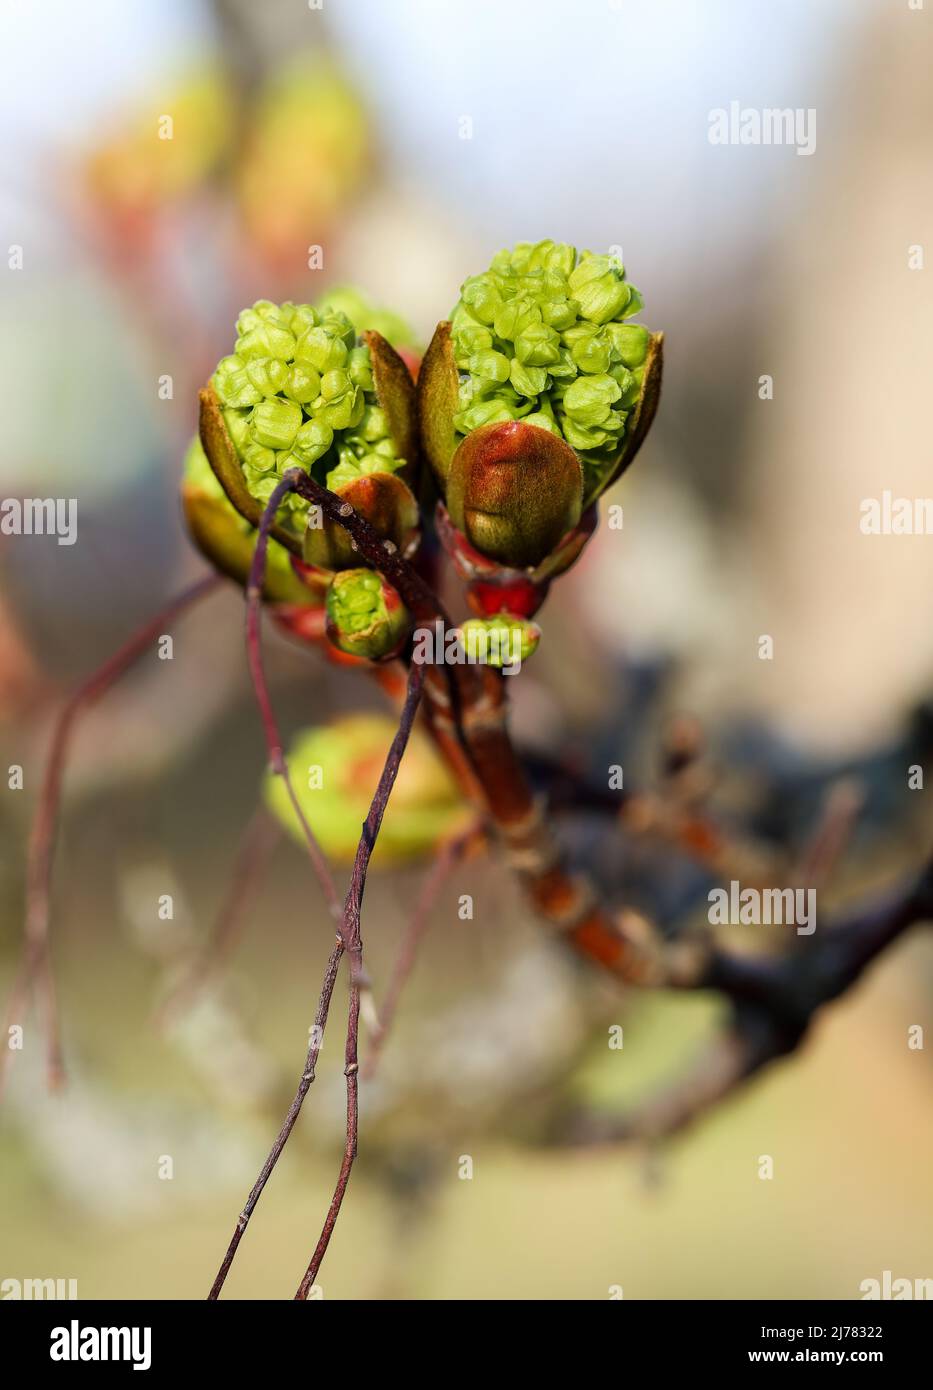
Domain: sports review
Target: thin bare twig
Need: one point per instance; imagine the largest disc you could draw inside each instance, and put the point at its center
(35, 969)
(288, 1124)
(353, 938)
(349, 937)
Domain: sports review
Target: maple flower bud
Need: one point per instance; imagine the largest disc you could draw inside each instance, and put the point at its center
(365, 616)
(578, 372)
(334, 771)
(502, 640)
(228, 541)
(303, 390)
(514, 491)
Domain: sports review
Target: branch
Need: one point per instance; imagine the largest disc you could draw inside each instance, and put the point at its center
(35, 965)
(774, 1003)
(352, 936)
(349, 937)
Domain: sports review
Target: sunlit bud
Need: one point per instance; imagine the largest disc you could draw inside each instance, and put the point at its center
(302, 383)
(275, 423)
(232, 383)
(267, 374)
(500, 640)
(365, 616)
(321, 350)
(514, 491)
(266, 340)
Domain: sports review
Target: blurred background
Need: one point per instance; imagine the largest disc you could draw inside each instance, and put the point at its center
(409, 142)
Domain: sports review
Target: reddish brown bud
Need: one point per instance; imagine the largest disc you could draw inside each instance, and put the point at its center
(514, 490)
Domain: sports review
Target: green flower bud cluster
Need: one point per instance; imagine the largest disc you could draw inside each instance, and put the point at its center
(542, 336)
(500, 640)
(365, 616)
(297, 391)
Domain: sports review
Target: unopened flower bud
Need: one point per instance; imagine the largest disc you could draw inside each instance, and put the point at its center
(274, 423)
(502, 640)
(365, 616)
(514, 491)
(577, 368)
(302, 391)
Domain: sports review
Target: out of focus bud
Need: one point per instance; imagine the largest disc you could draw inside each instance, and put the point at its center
(305, 153)
(335, 770)
(365, 616)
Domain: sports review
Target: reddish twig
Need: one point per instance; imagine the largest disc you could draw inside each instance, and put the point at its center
(353, 938)
(35, 967)
(288, 1124)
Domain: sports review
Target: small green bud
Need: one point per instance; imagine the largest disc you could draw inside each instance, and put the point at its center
(537, 345)
(237, 422)
(489, 365)
(630, 341)
(481, 297)
(302, 383)
(588, 399)
(267, 374)
(312, 441)
(528, 381)
(365, 616)
(602, 296)
(232, 383)
(322, 350)
(502, 640)
(342, 402)
(258, 459)
(359, 368)
(263, 312)
(275, 423)
(266, 340)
